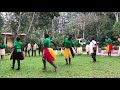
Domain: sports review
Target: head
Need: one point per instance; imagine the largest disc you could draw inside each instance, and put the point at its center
(46, 36)
(18, 39)
(92, 38)
(70, 37)
(106, 37)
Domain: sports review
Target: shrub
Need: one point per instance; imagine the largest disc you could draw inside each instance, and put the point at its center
(102, 48)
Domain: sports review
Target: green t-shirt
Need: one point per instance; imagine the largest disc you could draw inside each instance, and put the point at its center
(18, 45)
(47, 43)
(2, 46)
(68, 43)
(40, 45)
(87, 41)
(78, 44)
(107, 41)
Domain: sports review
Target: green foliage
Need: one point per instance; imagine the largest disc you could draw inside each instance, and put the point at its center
(116, 28)
(102, 48)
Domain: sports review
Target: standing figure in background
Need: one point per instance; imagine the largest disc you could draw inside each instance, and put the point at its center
(119, 45)
(87, 46)
(109, 46)
(35, 47)
(93, 49)
(79, 47)
(28, 48)
(40, 47)
(2, 50)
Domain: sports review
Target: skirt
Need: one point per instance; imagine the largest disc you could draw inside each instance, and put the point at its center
(87, 48)
(2, 51)
(109, 47)
(67, 53)
(79, 50)
(49, 55)
(17, 55)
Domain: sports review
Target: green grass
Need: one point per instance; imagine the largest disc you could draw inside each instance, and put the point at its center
(81, 67)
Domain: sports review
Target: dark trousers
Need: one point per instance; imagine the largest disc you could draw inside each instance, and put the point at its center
(34, 52)
(27, 52)
(14, 63)
(94, 54)
(40, 50)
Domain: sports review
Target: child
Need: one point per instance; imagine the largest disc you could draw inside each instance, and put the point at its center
(48, 53)
(17, 53)
(109, 45)
(68, 53)
(79, 48)
(2, 50)
(87, 46)
(93, 47)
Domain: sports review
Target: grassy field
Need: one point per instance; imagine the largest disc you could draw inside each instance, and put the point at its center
(81, 67)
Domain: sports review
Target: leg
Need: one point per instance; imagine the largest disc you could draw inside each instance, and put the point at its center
(110, 53)
(44, 65)
(39, 51)
(66, 61)
(18, 64)
(25, 52)
(13, 64)
(34, 52)
(87, 53)
(1, 56)
(69, 60)
(54, 66)
(29, 53)
(94, 57)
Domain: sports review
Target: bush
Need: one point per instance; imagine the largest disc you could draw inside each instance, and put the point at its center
(102, 48)
(115, 47)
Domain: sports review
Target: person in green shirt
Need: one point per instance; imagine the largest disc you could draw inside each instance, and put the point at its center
(17, 53)
(68, 50)
(87, 46)
(48, 53)
(79, 47)
(109, 46)
(40, 48)
(2, 50)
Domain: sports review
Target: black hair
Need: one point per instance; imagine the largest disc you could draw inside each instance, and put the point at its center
(92, 38)
(46, 36)
(18, 39)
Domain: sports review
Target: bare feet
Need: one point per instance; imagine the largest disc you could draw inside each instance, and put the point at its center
(44, 69)
(56, 69)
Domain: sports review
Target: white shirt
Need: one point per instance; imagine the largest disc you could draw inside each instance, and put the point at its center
(35, 46)
(92, 44)
(29, 46)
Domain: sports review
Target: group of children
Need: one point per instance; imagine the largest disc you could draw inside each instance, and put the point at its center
(48, 53)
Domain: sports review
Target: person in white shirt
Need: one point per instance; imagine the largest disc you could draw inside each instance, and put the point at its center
(35, 47)
(28, 48)
(93, 47)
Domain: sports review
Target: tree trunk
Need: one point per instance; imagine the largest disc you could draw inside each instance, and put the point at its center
(84, 29)
(116, 16)
(19, 24)
(31, 22)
